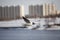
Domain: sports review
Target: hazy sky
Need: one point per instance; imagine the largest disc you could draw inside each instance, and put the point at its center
(26, 3)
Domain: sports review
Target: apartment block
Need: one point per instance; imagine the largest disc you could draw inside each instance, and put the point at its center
(0, 12)
(49, 9)
(11, 12)
(31, 11)
(52, 9)
(45, 9)
(22, 11)
(35, 11)
(42, 10)
(58, 12)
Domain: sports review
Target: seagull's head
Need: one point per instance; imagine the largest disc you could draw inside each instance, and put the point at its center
(33, 23)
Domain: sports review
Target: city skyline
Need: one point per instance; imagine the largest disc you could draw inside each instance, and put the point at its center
(43, 10)
(26, 3)
(34, 11)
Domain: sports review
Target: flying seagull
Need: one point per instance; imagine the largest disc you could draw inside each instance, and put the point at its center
(28, 23)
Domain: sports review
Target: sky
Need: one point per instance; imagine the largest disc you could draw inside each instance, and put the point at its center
(26, 3)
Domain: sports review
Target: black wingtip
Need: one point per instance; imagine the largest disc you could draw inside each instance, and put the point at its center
(26, 20)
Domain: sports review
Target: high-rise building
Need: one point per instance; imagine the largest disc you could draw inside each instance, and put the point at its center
(35, 11)
(0, 12)
(52, 9)
(45, 9)
(6, 13)
(31, 11)
(11, 12)
(21, 10)
(58, 12)
(49, 9)
(42, 10)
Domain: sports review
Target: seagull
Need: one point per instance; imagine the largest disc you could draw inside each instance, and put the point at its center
(28, 22)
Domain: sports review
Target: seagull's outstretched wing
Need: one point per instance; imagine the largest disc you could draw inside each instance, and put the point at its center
(26, 20)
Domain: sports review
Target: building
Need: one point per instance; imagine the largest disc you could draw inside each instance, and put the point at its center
(45, 9)
(31, 11)
(49, 9)
(58, 12)
(42, 10)
(0, 12)
(11, 12)
(35, 11)
(22, 11)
